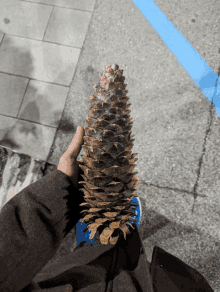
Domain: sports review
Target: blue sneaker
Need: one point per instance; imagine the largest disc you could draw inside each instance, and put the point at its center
(80, 226)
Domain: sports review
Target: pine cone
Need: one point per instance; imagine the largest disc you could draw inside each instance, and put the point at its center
(108, 163)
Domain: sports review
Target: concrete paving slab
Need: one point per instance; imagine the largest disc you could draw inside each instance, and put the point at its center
(20, 18)
(67, 27)
(26, 137)
(87, 5)
(38, 60)
(12, 92)
(43, 103)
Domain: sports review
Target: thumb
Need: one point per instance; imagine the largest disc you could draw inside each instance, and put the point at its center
(76, 143)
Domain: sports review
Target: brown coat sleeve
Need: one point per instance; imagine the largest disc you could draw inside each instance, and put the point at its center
(32, 226)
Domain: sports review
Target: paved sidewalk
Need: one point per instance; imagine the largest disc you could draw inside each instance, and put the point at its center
(175, 129)
(40, 45)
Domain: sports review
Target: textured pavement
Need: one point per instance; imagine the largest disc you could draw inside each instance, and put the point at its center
(176, 130)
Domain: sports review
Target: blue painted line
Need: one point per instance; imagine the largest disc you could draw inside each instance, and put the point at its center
(203, 76)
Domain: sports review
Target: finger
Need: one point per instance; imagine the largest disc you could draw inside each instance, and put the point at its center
(76, 143)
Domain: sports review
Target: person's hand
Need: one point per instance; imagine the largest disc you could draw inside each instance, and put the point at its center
(68, 163)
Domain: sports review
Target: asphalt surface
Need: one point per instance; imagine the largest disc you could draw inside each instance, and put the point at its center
(175, 128)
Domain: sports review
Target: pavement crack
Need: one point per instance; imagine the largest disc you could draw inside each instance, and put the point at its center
(210, 120)
(171, 189)
(194, 192)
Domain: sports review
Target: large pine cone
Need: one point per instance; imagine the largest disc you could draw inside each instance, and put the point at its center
(108, 163)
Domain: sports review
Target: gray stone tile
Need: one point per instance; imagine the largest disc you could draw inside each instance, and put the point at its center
(25, 137)
(43, 103)
(38, 60)
(24, 19)
(11, 94)
(68, 27)
(87, 5)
